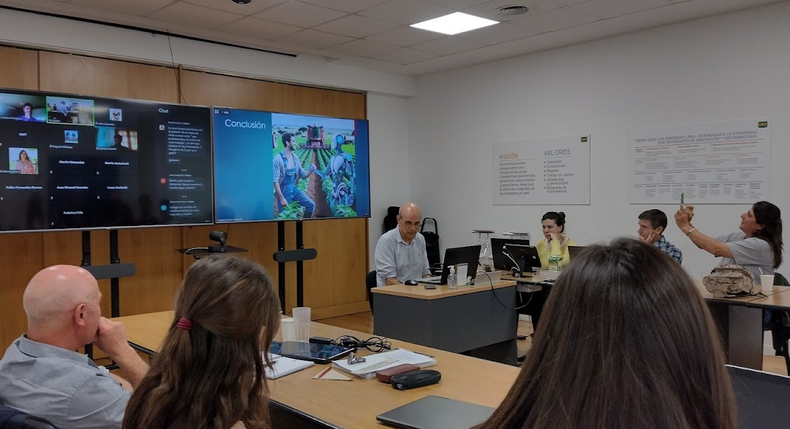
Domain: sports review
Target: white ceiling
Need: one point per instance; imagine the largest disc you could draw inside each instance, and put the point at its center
(375, 34)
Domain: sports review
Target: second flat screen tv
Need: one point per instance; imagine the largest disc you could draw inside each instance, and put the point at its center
(279, 166)
(82, 162)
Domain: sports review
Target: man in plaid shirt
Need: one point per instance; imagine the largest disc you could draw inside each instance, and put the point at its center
(652, 224)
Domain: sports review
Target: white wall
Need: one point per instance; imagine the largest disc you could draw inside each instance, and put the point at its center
(389, 169)
(726, 67)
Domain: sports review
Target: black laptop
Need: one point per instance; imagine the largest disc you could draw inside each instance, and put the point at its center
(469, 255)
(763, 399)
(435, 412)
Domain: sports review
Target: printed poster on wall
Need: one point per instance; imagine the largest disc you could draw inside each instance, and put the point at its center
(548, 171)
(716, 163)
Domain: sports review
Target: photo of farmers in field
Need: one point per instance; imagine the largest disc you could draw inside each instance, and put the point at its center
(314, 162)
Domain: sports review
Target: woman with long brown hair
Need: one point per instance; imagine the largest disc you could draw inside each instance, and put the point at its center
(626, 342)
(209, 372)
(757, 246)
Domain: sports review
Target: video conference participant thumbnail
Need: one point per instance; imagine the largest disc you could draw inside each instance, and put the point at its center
(20, 160)
(21, 107)
(68, 110)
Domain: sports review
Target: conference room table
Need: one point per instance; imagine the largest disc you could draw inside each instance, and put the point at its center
(479, 320)
(740, 322)
(738, 319)
(298, 401)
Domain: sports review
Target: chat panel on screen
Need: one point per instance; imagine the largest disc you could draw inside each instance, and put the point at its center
(184, 170)
(243, 188)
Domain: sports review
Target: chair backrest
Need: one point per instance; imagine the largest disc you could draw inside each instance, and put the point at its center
(391, 220)
(370, 279)
(780, 280)
(11, 418)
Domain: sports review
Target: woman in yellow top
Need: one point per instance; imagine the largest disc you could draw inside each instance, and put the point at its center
(555, 242)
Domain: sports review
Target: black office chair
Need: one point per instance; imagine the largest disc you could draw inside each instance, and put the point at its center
(11, 418)
(370, 282)
(780, 326)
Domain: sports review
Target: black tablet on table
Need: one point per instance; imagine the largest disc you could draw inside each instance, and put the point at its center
(318, 353)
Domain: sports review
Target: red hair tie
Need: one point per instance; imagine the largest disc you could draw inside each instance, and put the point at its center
(184, 324)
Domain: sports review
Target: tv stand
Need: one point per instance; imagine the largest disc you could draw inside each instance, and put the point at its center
(114, 271)
(199, 252)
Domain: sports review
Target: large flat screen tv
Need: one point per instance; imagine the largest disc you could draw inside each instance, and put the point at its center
(82, 162)
(279, 166)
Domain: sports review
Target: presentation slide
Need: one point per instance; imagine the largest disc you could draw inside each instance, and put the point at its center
(276, 166)
(80, 162)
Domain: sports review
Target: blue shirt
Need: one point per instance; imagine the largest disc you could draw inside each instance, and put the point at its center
(396, 258)
(669, 249)
(60, 385)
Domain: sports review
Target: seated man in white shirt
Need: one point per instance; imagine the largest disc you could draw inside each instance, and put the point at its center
(41, 372)
(400, 253)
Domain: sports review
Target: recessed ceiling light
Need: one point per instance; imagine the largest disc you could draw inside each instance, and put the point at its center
(454, 23)
(516, 9)
(241, 1)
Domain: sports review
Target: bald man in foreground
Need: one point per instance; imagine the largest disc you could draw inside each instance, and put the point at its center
(400, 253)
(41, 372)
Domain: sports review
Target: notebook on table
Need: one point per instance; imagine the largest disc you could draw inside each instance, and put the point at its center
(435, 412)
(282, 366)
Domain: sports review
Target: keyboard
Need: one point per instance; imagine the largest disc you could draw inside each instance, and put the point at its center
(435, 280)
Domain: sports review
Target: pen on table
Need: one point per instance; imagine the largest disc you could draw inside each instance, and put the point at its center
(323, 373)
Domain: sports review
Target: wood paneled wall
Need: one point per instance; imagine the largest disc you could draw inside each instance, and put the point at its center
(334, 282)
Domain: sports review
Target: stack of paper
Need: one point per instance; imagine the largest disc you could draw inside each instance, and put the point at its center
(282, 366)
(377, 362)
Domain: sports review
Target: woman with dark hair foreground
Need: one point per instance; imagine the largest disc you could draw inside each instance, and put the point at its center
(626, 342)
(209, 372)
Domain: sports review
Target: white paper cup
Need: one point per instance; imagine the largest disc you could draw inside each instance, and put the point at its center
(767, 283)
(288, 329)
(301, 314)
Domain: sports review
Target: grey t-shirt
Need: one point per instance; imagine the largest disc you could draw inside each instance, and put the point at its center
(395, 258)
(753, 253)
(60, 385)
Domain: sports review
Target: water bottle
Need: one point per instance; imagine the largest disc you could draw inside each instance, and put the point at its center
(452, 282)
(555, 263)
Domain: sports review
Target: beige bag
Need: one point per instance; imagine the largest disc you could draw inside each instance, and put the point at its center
(729, 281)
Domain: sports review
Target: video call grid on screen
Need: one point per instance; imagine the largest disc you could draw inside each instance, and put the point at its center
(72, 161)
(260, 159)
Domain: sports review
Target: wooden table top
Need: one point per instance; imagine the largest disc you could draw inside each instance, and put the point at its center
(778, 300)
(355, 404)
(441, 291)
(739, 300)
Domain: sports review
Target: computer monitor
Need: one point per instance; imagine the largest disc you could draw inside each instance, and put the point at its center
(501, 260)
(526, 256)
(761, 398)
(574, 251)
(459, 255)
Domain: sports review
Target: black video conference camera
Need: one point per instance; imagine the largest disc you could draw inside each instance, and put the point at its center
(221, 238)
